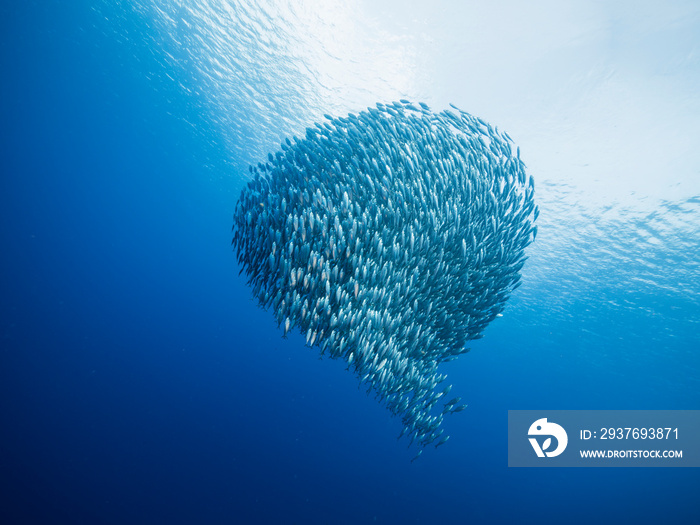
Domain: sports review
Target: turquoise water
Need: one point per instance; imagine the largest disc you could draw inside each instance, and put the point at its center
(141, 383)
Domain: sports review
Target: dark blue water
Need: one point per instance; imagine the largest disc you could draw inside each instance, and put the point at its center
(139, 383)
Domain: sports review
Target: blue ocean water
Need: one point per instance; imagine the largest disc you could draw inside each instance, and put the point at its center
(140, 383)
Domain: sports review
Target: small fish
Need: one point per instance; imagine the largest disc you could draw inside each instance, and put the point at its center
(442, 441)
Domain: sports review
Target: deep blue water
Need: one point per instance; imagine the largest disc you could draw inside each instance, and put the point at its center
(140, 383)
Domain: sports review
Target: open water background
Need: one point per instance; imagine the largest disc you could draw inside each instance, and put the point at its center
(139, 383)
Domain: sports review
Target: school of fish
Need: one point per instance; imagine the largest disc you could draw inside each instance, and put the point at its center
(390, 239)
